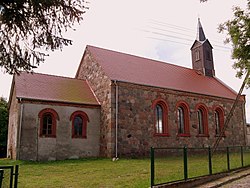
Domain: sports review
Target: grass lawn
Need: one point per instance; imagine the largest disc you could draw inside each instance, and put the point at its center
(84, 173)
(102, 173)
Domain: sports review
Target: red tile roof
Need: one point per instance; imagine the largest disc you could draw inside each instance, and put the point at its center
(53, 88)
(133, 69)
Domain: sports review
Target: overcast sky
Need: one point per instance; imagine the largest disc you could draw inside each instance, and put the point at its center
(161, 29)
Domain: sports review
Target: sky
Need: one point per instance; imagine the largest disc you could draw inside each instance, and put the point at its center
(163, 30)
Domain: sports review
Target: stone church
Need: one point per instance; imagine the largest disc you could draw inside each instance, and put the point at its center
(119, 105)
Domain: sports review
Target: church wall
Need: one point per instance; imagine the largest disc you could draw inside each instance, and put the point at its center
(63, 146)
(136, 120)
(91, 71)
(13, 126)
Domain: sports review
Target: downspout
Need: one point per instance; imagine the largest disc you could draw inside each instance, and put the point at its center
(116, 120)
(19, 131)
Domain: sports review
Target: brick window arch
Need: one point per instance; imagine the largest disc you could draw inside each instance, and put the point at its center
(160, 117)
(48, 118)
(182, 111)
(79, 124)
(219, 120)
(202, 120)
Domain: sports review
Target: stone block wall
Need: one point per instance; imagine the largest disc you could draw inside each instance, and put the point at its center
(99, 82)
(136, 119)
(13, 125)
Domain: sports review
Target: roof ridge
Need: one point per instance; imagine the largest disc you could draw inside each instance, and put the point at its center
(146, 58)
(52, 75)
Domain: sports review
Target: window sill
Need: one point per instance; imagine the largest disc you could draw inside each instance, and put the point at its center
(184, 135)
(47, 136)
(79, 137)
(202, 135)
(223, 135)
(161, 135)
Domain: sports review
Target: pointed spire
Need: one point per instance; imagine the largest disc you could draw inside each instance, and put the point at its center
(200, 32)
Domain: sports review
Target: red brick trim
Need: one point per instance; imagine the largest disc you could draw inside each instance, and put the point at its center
(204, 110)
(54, 116)
(85, 119)
(164, 106)
(185, 108)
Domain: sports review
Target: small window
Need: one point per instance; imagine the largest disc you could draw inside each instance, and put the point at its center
(47, 124)
(183, 119)
(48, 119)
(79, 124)
(202, 120)
(181, 122)
(197, 55)
(160, 117)
(219, 121)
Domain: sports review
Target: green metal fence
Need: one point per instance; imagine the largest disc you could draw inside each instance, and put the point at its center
(1, 177)
(9, 176)
(175, 164)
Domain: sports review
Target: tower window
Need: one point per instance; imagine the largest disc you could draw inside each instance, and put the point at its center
(197, 55)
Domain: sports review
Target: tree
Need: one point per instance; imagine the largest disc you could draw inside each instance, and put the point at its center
(28, 27)
(238, 31)
(3, 122)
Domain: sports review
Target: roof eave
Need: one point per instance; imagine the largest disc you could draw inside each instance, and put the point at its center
(56, 101)
(147, 85)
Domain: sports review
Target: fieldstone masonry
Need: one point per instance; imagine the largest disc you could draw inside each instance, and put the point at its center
(136, 115)
(101, 85)
(136, 120)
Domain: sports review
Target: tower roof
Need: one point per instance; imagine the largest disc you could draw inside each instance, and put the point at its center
(200, 32)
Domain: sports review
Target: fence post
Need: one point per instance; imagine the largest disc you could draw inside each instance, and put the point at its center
(210, 161)
(1, 177)
(16, 176)
(152, 157)
(228, 159)
(241, 156)
(11, 175)
(185, 161)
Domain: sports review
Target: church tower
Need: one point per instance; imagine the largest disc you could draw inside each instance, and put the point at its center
(202, 55)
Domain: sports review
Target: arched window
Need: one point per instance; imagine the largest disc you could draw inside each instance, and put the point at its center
(183, 119)
(79, 124)
(160, 117)
(202, 120)
(48, 119)
(219, 121)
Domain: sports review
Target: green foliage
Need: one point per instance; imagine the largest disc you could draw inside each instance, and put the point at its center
(3, 122)
(238, 30)
(29, 26)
